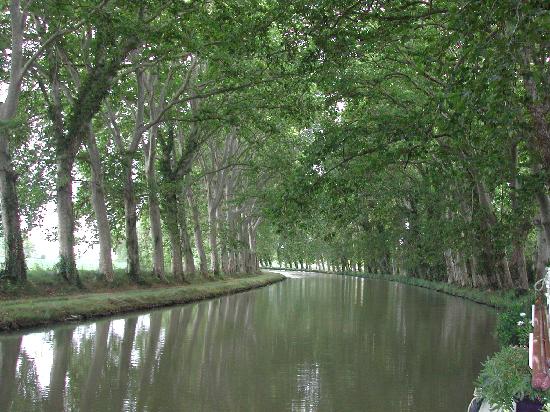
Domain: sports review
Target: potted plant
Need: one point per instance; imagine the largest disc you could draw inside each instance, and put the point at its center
(505, 380)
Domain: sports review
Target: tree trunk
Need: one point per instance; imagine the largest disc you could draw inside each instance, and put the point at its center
(186, 244)
(544, 208)
(172, 226)
(490, 221)
(253, 263)
(230, 213)
(15, 265)
(199, 243)
(508, 282)
(130, 218)
(522, 227)
(238, 255)
(100, 210)
(213, 240)
(154, 208)
(65, 217)
(224, 253)
(521, 265)
(543, 254)
(177, 264)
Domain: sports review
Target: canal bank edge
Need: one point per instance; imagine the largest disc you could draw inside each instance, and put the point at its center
(500, 300)
(27, 313)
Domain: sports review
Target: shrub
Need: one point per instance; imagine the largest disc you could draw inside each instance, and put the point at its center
(513, 327)
(506, 377)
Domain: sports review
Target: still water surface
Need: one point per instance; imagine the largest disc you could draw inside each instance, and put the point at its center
(311, 343)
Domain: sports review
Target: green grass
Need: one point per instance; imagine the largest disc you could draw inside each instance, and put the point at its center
(43, 282)
(499, 299)
(41, 310)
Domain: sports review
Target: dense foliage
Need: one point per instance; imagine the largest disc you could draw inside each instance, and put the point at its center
(429, 160)
(405, 138)
(506, 378)
(513, 327)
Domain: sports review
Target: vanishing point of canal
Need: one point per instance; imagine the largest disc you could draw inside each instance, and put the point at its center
(312, 343)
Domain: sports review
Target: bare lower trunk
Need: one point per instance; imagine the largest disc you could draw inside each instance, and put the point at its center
(186, 244)
(239, 261)
(508, 282)
(65, 219)
(199, 243)
(523, 225)
(224, 253)
(543, 254)
(503, 276)
(544, 208)
(171, 217)
(247, 248)
(154, 209)
(15, 267)
(231, 255)
(518, 258)
(175, 246)
(252, 243)
(213, 240)
(130, 220)
(156, 235)
(100, 211)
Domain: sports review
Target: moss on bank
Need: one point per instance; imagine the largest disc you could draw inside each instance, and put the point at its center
(28, 312)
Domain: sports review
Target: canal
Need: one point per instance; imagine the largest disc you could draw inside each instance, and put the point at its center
(315, 342)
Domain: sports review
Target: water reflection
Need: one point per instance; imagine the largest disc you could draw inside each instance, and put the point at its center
(312, 343)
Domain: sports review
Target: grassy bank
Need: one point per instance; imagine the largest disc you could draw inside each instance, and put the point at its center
(46, 283)
(28, 312)
(499, 299)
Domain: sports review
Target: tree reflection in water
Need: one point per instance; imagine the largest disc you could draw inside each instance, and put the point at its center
(311, 343)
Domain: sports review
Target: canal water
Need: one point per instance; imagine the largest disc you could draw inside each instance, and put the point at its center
(315, 342)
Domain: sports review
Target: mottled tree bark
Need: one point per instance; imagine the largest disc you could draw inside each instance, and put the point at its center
(213, 237)
(154, 207)
(100, 210)
(199, 242)
(130, 223)
(543, 255)
(172, 219)
(521, 228)
(499, 258)
(15, 267)
(65, 218)
(186, 244)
